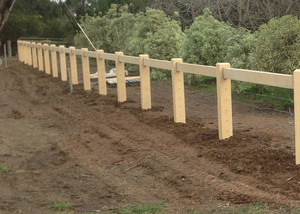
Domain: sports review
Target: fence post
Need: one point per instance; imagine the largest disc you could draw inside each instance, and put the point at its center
(19, 50)
(121, 82)
(297, 114)
(86, 70)
(178, 93)
(63, 65)
(73, 65)
(29, 54)
(54, 61)
(40, 57)
(101, 73)
(9, 48)
(34, 55)
(25, 55)
(145, 83)
(224, 103)
(47, 59)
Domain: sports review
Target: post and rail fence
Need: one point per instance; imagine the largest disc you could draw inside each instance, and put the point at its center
(37, 55)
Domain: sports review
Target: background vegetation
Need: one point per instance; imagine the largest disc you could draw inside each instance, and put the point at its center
(251, 34)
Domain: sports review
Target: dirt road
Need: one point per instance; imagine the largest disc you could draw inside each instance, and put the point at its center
(102, 156)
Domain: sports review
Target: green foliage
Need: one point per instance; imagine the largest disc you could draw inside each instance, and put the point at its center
(205, 41)
(109, 32)
(61, 206)
(157, 35)
(277, 46)
(5, 169)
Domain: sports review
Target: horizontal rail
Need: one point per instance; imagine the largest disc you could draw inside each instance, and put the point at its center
(155, 63)
(129, 59)
(66, 50)
(209, 71)
(90, 54)
(76, 52)
(55, 48)
(108, 56)
(259, 77)
(47, 47)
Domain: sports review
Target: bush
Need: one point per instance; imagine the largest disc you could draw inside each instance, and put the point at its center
(157, 35)
(278, 46)
(109, 32)
(205, 41)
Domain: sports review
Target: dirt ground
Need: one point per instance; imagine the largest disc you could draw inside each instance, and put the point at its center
(101, 155)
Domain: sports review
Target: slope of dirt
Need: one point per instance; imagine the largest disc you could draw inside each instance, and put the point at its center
(102, 155)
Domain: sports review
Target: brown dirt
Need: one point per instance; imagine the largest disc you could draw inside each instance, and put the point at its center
(102, 155)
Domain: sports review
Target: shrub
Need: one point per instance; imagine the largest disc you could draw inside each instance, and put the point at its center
(157, 35)
(278, 46)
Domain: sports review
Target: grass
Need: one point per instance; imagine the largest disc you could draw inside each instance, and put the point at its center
(61, 206)
(145, 209)
(5, 169)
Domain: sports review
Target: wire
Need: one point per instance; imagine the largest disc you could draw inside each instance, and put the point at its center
(86, 36)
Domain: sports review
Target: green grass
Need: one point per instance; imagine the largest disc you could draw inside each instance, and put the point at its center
(145, 209)
(5, 169)
(61, 206)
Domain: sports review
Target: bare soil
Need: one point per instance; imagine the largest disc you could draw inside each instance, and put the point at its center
(101, 155)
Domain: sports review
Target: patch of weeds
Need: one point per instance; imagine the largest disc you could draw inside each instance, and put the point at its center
(5, 169)
(145, 209)
(63, 206)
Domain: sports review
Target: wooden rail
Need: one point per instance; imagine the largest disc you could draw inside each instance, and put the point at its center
(204, 70)
(259, 77)
(32, 54)
(155, 63)
(129, 59)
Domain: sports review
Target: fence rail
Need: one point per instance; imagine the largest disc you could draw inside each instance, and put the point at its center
(37, 55)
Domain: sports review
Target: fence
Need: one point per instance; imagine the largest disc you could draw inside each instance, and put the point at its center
(37, 55)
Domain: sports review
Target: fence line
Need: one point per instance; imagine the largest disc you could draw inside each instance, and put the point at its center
(222, 71)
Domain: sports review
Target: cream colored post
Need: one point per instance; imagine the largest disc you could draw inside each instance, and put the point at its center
(101, 73)
(47, 59)
(224, 103)
(25, 52)
(73, 65)
(29, 54)
(297, 114)
(19, 50)
(63, 65)
(54, 61)
(40, 57)
(34, 56)
(121, 82)
(145, 83)
(86, 70)
(178, 93)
